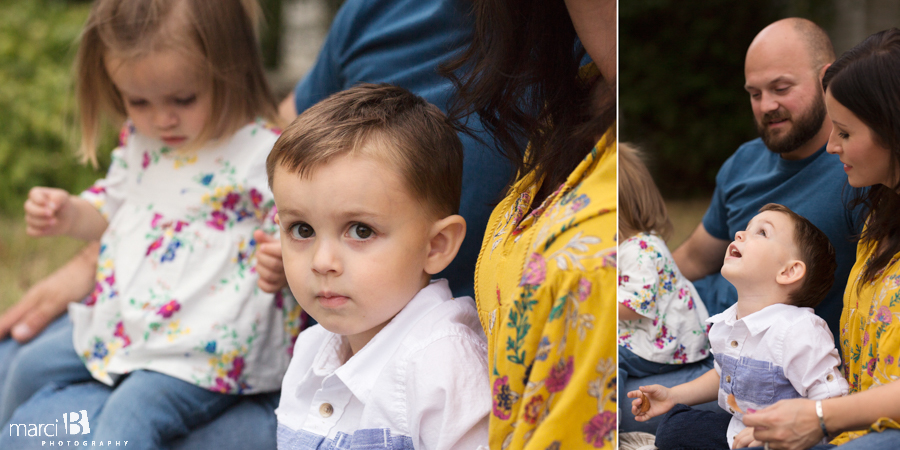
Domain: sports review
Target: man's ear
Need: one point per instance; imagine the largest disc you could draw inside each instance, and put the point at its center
(446, 236)
(791, 273)
(822, 73)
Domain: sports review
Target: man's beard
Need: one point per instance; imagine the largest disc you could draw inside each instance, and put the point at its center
(804, 127)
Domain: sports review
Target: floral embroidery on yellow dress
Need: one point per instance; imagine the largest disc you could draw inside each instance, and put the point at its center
(870, 333)
(545, 285)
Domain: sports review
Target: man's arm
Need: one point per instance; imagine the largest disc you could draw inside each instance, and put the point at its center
(701, 254)
(50, 297)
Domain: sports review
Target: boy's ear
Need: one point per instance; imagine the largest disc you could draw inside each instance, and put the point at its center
(791, 273)
(446, 236)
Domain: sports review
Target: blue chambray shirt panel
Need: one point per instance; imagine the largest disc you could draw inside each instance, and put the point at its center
(365, 439)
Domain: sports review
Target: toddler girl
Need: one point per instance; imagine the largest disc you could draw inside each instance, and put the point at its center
(660, 314)
(176, 322)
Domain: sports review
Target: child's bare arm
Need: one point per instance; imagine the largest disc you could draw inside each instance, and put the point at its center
(51, 211)
(700, 390)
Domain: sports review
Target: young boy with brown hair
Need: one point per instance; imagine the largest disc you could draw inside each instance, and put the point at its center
(769, 346)
(367, 184)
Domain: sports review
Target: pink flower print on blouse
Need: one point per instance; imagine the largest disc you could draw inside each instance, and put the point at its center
(560, 375)
(643, 245)
(120, 333)
(680, 354)
(884, 315)
(580, 202)
(600, 428)
(221, 386)
(533, 409)
(92, 299)
(218, 220)
(96, 189)
(231, 200)
(504, 398)
(154, 245)
(870, 366)
(168, 309)
(535, 270)
(145, 161)
(237, 368)
(889, 360)
(584, 289)
(255, 197)
(154, 222)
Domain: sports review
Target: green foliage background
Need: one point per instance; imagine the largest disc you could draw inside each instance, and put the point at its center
(38, 135)
(681, 78)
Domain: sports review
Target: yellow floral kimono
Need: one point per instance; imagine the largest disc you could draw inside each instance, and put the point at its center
(870, 332)
(546, 291)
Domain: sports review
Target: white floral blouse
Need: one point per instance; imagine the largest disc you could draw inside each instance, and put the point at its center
(651, 285)
(176, 280)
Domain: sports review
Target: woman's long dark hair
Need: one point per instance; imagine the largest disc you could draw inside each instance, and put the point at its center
(866, 80)
(521, 75)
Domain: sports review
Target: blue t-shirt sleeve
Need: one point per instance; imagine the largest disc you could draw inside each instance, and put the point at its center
(716, 218)
(325, 77)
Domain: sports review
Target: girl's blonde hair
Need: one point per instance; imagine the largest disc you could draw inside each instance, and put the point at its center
(641, 206)
(220, 35)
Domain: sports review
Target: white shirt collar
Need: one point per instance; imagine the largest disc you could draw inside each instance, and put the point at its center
(361, 371)
(757, 322)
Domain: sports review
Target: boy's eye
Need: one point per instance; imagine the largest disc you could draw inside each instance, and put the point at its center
(185, 101)
(762, 232)
(843, 135)
(302, 231)
(135, 103)
(360, 231)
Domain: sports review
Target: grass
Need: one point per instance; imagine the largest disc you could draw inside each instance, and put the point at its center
(686, 215)
(24, 260)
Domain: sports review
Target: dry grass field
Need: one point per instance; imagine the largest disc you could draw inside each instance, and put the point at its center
(24, 260)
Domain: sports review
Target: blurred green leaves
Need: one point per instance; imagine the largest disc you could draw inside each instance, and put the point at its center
(38, 133)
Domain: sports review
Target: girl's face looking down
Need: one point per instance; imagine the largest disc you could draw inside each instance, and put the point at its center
(164, 95)
(866, 162)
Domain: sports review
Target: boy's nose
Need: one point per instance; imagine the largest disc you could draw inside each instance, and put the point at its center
(325, 259)
(739, 236)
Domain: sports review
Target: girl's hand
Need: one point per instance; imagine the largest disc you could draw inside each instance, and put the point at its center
(48, 211)
(660, 402)
(745, 439)
(788, 424)
(269, 264)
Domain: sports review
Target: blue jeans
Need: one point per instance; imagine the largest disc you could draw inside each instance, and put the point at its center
(684, 428)
(249, 423)
(886, 440)
(684, 374)
(631, 365)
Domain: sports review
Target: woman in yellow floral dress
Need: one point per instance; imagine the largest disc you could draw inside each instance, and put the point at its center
(545, 281)
(862, 95)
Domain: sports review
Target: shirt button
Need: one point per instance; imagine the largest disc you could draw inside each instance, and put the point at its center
(730, 410)
(734, 344)
(728, 378)
(830, 377)
(326, 410)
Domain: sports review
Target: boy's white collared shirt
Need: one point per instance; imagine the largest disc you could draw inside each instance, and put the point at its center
(421, 382)
(780, 352)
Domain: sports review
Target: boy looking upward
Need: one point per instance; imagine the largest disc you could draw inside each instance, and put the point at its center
(769, 346)
(367, 185)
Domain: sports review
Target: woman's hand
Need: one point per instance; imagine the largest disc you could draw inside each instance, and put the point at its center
(745, 439)
(659, 398)
(788, 424)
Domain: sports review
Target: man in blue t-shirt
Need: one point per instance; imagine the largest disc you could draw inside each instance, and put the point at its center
(787, 165)
(403, 42)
